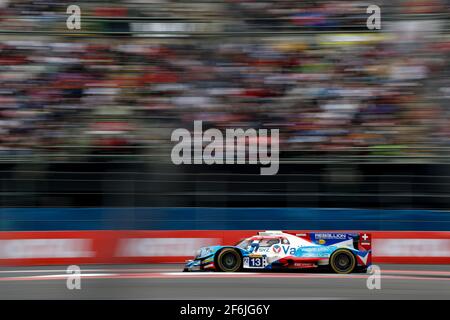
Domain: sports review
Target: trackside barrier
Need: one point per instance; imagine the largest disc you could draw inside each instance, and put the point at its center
(115, 247)
(167, 218)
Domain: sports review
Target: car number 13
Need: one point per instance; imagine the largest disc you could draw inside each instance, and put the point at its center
(255, 262)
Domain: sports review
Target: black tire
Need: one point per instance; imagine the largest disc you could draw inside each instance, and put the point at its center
(343, 261)
(228, 260)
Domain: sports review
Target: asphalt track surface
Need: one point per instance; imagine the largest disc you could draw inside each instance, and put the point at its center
(167, 282)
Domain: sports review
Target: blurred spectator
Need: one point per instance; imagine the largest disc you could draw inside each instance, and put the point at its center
(358, 93)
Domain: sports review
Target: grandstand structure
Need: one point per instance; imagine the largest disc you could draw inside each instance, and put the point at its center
(86, 115)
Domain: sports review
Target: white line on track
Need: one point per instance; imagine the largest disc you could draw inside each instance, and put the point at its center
(175, 273)
(211, 275)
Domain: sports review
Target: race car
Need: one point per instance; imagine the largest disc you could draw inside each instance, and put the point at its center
(278, 250)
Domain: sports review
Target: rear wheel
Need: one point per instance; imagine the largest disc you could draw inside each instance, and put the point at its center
(228, 260)
(342, 261)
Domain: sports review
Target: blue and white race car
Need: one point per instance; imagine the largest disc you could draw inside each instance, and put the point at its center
(272, 250)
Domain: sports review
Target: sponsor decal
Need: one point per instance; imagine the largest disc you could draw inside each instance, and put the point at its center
(322, 252)
(316, 249)
(338, 236)
(304, 265)
(276, 248)
(322, 241)
(307, 251)
(289, 250)
(284, 249)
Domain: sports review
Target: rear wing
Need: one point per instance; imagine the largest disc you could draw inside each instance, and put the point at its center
(360, 241)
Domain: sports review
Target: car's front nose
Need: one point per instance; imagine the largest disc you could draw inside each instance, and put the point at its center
(204, 260)
(192, 265)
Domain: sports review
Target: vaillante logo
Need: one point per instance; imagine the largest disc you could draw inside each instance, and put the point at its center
(276, 249)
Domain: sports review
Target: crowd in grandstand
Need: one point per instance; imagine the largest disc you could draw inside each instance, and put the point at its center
(381, 93)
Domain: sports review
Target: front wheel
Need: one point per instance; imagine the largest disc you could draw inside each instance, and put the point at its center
(342, 261)
(228, 260)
